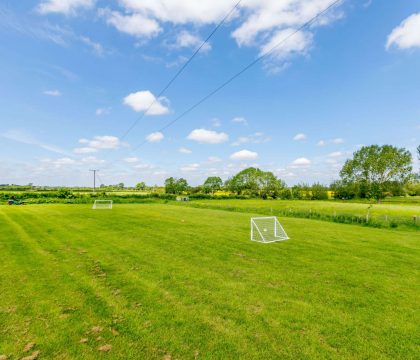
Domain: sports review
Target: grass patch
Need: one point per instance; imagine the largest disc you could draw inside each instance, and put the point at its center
(373, 215)
(158, 280)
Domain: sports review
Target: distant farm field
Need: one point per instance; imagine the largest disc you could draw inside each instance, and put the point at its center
(381, 214)
(162, 281)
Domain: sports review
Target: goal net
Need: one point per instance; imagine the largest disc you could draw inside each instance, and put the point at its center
(267, 229)
(102, 204)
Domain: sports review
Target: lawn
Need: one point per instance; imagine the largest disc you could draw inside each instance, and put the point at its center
(382, 214)
(160, 281)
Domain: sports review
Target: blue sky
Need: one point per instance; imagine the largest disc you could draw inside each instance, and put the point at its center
(76, 74)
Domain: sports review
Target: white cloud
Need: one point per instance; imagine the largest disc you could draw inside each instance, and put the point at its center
(160, 173)
(256, 138)
(144, 166)
(26, 138)
(52, 93)
(132, 160)
(85, 150)
(143, 100)
(241, 140)
(335, 154)
(261, 24)
(244, 155)
(136, 24)
(213, 159)
(180, 12)
(155, 137)
(180, 60)
(285, 173)
(185, 39)
(102, 111)
(208, 136)
(406, 35)
(67, 7)
(106, 142)
(240, 120)
(300, 163)
(184, 150)
(299, 137)
(66, 73)
(277, 20)
(23, 25)
(296, 44)
(96, 47)
(337, 141)
(367, 3)
(58, 163)
(216, 123)
(190, 168)
(331, 161)
(92, 160)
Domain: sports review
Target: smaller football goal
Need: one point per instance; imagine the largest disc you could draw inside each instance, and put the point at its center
(102, 204)
(267, 230)
(182, 198)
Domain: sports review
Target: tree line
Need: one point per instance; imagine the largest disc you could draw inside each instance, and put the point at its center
(373, 173)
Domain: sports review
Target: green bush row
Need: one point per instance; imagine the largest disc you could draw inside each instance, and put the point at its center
(66, 196)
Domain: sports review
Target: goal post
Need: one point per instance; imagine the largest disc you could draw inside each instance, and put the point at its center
(102, 204)
(267, 229)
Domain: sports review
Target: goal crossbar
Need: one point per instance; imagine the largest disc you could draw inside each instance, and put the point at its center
(102, 204)
(267, 229)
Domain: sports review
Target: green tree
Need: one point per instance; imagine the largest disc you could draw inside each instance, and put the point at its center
(269, 185)
(181, 185)
(212, 184)
(175, 186)
(345, 190)
(375, 167)
(319, 192)
(412, 188)
(244, 181)
(253, 181)
(297, 192)
(141, 186)
(301, 191)
(286, 194)
(170, 187)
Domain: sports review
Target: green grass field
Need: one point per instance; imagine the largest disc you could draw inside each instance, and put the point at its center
(382, 214)
(330, 207)
(160, 281)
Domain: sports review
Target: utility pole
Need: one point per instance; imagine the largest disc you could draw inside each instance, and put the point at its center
(94, 178)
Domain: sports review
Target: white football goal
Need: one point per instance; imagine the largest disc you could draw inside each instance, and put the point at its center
(267, 230)
(102, 204)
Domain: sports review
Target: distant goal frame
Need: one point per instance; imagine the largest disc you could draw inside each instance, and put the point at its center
(99, 202)
(262, 235)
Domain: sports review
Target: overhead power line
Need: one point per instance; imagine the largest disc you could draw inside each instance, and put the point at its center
(180, 71)
(243, 70)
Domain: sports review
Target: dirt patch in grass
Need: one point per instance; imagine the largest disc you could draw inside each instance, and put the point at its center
(34, 356)
(105, 348)
(29, 347)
